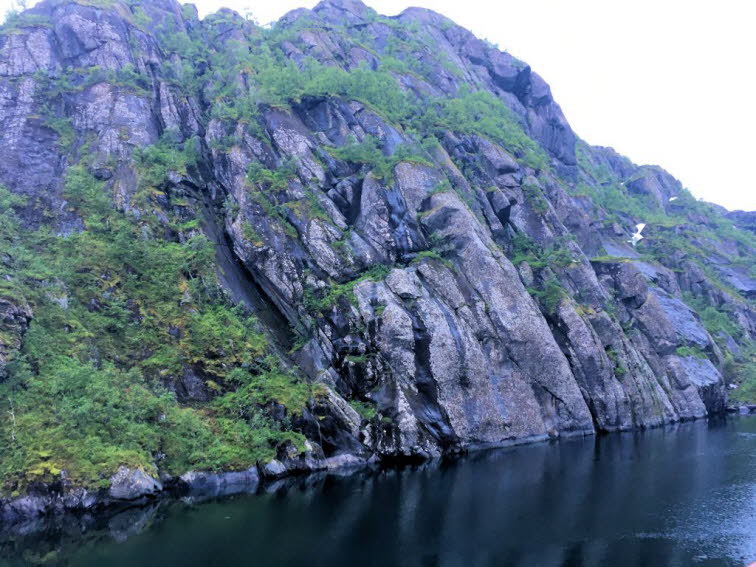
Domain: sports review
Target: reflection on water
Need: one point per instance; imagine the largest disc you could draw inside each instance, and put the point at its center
(678, 496)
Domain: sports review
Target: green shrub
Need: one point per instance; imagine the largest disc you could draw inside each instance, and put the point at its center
(15, 21)
(366, 410)
(551, 294)
(323, 300)
(271, 179)
(479, 112)
(525, 249)
(741, 370)
(714, 320)
(432, 255)
(368, 152)
(80, 419)
(619, 369)
(686, 351)
(118, 315)
(534, 197)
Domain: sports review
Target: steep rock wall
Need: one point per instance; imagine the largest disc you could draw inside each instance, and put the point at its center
(462, 275)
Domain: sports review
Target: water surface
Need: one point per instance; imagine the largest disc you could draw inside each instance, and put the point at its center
(678, 496)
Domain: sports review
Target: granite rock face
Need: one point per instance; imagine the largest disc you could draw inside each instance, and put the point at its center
(488, 300)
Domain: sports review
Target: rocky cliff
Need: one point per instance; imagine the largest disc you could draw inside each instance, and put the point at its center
(341, 238)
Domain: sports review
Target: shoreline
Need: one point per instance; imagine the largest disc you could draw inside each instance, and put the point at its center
(45, 502)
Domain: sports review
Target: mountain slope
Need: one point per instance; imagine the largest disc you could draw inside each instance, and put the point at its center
(344, 235)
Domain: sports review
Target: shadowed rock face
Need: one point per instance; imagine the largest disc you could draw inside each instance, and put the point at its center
(503, 311)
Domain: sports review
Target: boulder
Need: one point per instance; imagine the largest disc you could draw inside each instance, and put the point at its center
(132, 484)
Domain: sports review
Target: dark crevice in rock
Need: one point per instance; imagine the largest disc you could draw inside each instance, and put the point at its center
(240, 282)
(355, 205)
(459, 343)
(425, 403)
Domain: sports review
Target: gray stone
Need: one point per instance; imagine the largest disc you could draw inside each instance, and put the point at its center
(131, 484)
(274, 469)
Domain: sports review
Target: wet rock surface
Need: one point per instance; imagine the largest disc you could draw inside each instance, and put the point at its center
(209, 485)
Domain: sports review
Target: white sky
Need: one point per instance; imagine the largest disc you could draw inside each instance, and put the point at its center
(667, 82)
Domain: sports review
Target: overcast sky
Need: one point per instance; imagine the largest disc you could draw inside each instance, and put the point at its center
(667, 82)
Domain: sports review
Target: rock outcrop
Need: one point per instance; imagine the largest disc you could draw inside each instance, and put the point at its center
(403, 207)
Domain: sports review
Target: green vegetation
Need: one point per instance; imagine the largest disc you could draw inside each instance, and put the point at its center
(366, 410)
(432, 255)
(16, 21)
(250, 234)
(155, 163)
(79, 79)
(543, 260)
(325, 299)
(534, 197)
(686, 351)
(746, 393)
(275, 80)
(741, 370)
(271, 179)
(119, 318)
(619, 369)
(610, 259)
(525, 249)
(368, 152)
(690, 232)
(281, 82)
(609, 193)
(715, 320)
(265, 182)
(263, 185)
(479, 112)
(442, 187)
(551, 294)
(61, 126)
(127, 305)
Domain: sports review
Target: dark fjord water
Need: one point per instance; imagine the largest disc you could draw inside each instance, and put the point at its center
(678, 496)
